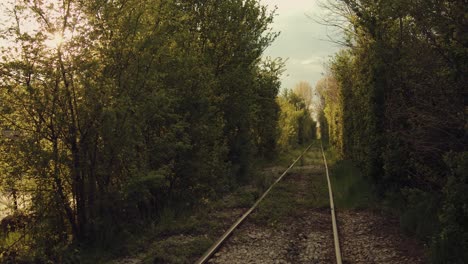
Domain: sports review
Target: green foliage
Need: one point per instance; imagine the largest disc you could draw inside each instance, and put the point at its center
(286, 200)
(420, 215)
(331, 91)
(145, 195)
(295, 121)
(396, 107)
(350, 189)
(279, 205)
(178, 250)
(451, 243)
(266, 108)
(146, 105)
(176, 221)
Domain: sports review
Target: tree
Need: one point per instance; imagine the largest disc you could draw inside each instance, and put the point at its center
(126, 107)
(330, 93)
(304, 90)
(295, 121)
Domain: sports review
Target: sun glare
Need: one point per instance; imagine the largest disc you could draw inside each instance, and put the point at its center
(55, 41)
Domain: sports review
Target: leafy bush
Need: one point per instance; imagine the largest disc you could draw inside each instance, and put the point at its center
(451, 244)
(419, 216)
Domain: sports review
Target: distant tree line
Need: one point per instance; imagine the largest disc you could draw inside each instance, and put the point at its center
(296, 125)
(396, 103)
(144, 104)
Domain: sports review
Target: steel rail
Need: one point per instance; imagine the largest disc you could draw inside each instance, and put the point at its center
(223, 238)
(332, 209)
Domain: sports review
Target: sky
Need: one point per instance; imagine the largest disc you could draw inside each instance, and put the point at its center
(302, 41)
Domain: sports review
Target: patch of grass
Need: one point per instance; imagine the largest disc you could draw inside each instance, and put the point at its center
(288, 199)
(314, 157)
(243, 197)
(263, 180)
(287, 157)
(171, 224)
(331, 155)
(278, 204)
(317, 195)
(177, 249)
(350, 189)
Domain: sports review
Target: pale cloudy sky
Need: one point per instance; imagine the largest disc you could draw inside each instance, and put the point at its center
(302, 41)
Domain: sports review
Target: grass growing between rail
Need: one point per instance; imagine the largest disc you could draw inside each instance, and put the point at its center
(304, 187)
(279, 204)
(287, 157)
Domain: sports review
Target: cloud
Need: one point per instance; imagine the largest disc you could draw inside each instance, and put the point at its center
(313, 60)
(304, 42)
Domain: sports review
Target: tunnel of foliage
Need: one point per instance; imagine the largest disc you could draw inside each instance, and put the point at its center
(396, 103)
(143, 104)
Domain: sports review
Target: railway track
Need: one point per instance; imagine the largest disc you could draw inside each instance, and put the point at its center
(291, 223)
(309, 240)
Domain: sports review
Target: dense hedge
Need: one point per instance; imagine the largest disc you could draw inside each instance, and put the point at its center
(398, 108)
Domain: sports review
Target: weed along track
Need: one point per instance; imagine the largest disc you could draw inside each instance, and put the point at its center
(290, 223)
